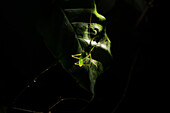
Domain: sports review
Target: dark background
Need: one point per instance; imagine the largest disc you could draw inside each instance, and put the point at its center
(24, 56)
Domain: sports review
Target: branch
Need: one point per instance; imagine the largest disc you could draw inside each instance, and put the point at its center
(65, 99)
(33, 81)
(150, 4)
(25, 110)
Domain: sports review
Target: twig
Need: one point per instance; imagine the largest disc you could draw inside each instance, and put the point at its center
(128, 82)
(33, 81)
(150, 4)
(60, 100)
(65, 99)
(25, 110)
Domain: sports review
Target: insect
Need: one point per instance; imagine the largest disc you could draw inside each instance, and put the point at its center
(85, 57)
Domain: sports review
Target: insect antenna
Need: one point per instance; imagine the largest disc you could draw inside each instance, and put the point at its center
(90, 27)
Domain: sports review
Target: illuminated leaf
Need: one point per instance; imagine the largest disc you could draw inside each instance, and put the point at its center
(66, 32)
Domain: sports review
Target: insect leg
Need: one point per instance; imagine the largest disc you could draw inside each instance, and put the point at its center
(91, 60)
(75, 56)
(76, 63)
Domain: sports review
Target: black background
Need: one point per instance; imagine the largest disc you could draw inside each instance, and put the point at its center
(24, 55)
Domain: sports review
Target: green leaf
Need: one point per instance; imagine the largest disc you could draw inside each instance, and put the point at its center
(66, 32)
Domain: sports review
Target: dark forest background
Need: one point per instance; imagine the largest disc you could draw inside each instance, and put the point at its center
(24, 56)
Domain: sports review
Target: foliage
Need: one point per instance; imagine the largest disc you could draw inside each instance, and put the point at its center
(68, 29)
(66, 32)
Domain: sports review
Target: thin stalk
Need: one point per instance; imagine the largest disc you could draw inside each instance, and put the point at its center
(33, 81)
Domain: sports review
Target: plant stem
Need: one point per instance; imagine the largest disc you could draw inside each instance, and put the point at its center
(33, 81)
